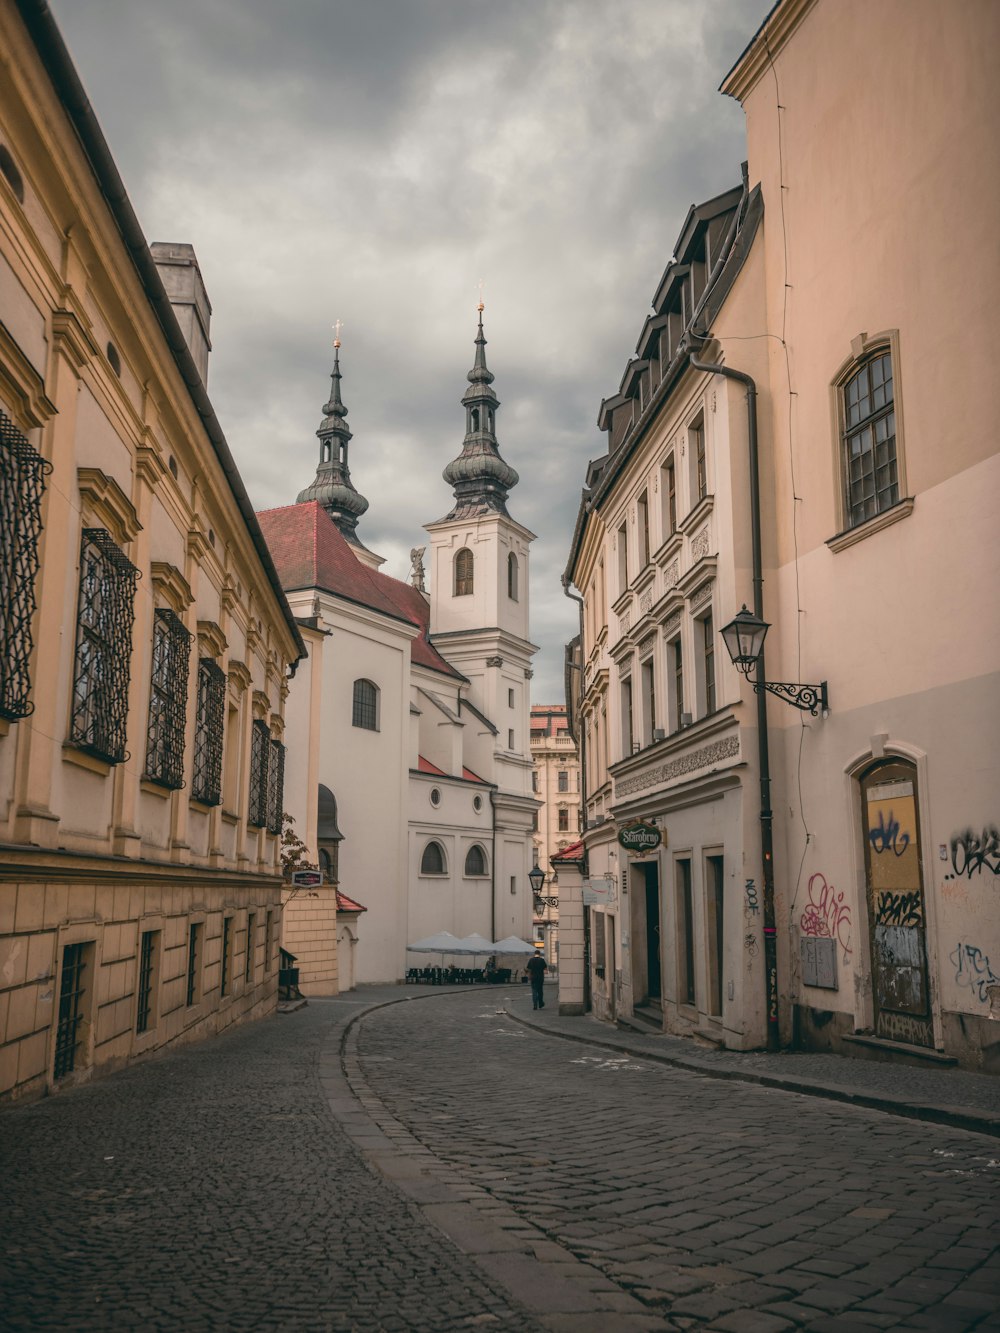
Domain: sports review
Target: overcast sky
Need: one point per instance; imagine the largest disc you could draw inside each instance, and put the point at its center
(371, 161)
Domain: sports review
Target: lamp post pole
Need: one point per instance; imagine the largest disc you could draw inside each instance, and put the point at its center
(763, 758)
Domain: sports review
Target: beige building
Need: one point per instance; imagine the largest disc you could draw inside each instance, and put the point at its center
(848, 305)
(145, 644)
(556, 783)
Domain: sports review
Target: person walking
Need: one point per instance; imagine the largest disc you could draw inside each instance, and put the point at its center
(536, 969)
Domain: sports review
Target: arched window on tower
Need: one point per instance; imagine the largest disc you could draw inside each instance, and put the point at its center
(512, 577)
(463, 573)
(475, 418)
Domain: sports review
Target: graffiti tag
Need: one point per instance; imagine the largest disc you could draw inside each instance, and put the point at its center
(886, 836)
(751, 892)
(750, 941)
(971, 852)
(973, 970)
(899, 909)
(826, 914)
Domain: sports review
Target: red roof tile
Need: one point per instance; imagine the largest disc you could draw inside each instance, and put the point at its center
(309, 551)
(469, 776)
(345, 904)
(425, 766)
(574, 852)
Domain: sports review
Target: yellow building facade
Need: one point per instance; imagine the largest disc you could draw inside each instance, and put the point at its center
(145, 645)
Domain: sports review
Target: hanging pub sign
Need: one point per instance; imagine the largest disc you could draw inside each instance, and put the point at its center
(640, 837)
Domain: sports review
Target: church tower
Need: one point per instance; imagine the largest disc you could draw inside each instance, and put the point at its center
(332, 485)
(479, 613)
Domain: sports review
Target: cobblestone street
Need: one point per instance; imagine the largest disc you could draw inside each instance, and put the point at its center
(458, 1169)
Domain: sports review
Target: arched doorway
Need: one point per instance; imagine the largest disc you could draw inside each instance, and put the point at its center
(897, 919)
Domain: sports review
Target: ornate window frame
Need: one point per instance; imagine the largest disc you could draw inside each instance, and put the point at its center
(167, 718)
(103, 658)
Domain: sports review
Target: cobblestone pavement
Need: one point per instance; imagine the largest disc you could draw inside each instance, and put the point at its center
(710, 1203)
(213, 1189)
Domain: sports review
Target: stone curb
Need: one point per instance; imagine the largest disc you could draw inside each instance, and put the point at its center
(977, 1122)
(559, 1290)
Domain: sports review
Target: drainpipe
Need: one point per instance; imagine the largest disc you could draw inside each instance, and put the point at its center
(575, 597)
(766, 840)
(493, 867)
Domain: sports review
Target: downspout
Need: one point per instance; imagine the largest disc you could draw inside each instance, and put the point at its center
(493, 866)
(582, 742)
(763, 760)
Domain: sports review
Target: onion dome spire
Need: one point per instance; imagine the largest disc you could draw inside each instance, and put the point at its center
(480, 477)
(332, 485)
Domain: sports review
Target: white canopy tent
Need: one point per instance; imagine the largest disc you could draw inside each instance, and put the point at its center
(443, 942)
(512, 945)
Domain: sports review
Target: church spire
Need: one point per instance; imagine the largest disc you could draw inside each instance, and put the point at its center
(332, 485)
(479, 475)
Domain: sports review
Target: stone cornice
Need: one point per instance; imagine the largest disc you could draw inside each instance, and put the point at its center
(73, 338)
(769, 39)
(171, 584)
(108, 503)
(24, 386)
(211, 640)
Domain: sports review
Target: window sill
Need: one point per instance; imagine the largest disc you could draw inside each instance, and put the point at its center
(230, 817)
(71, 755)
(4, 726)
(152, 788)
(871, 525)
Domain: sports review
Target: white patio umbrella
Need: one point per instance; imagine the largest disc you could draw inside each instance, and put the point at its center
(475, 944)
(512, 945)
(443, 942)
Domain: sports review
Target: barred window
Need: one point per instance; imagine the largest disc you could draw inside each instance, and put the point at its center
(103, 647)
(475, 861)
(365, 711)
(22, 481)
(260, 749)
(432, 861)
(167, 700)
(275, 786)
(206, 785)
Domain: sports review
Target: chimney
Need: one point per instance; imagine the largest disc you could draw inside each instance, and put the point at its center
(177, 265)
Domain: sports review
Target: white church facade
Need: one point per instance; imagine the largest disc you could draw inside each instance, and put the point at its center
(411, 714)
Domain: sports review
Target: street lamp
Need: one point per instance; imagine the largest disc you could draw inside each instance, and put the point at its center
(536, 878)
(744, 639)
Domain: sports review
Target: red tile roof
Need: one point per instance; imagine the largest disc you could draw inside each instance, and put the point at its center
(574, 852)
(309, 551)
(469, 776)
(425, 766)
(345, 904)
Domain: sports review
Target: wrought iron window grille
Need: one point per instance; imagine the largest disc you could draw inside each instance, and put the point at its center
(146, 960)
(260, 744)
(71, 991)
(167, 700)
(103, 647)
(275, 787)
(206, 784)
(22, 483)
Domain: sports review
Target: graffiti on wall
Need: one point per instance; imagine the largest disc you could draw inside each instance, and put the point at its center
(887, 835)
(974, 971)
(751, 892)
(826, 915)
(972, 853)
(899, 908)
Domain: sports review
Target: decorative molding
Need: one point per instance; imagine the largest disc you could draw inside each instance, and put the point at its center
(703, 595)
(198, 545)
(625, 622)
(25, 387)
(727, 748)
(647, 645)
(671, 574)
(239, 677)
(671, 622)
(171, 584)
(149, 466)
(211, 639)
(872, 525)
(72, 338)
(261, 705)
(528, 673)
(229, 594)
(108, 503)
(699, 543)
(496, 661)
(646, 602)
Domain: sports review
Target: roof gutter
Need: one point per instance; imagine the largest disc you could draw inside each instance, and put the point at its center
(42, 28)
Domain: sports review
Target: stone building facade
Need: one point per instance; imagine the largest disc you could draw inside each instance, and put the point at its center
(556, 783)
(145, 644)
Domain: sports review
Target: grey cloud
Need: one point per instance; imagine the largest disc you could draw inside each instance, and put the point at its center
(372, 161)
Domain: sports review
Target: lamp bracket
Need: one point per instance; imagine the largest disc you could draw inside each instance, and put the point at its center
(809, 698)
(546, 902)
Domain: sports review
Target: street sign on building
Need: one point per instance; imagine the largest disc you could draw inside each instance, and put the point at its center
(640, 837)
(307, 879)
(599, 891)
